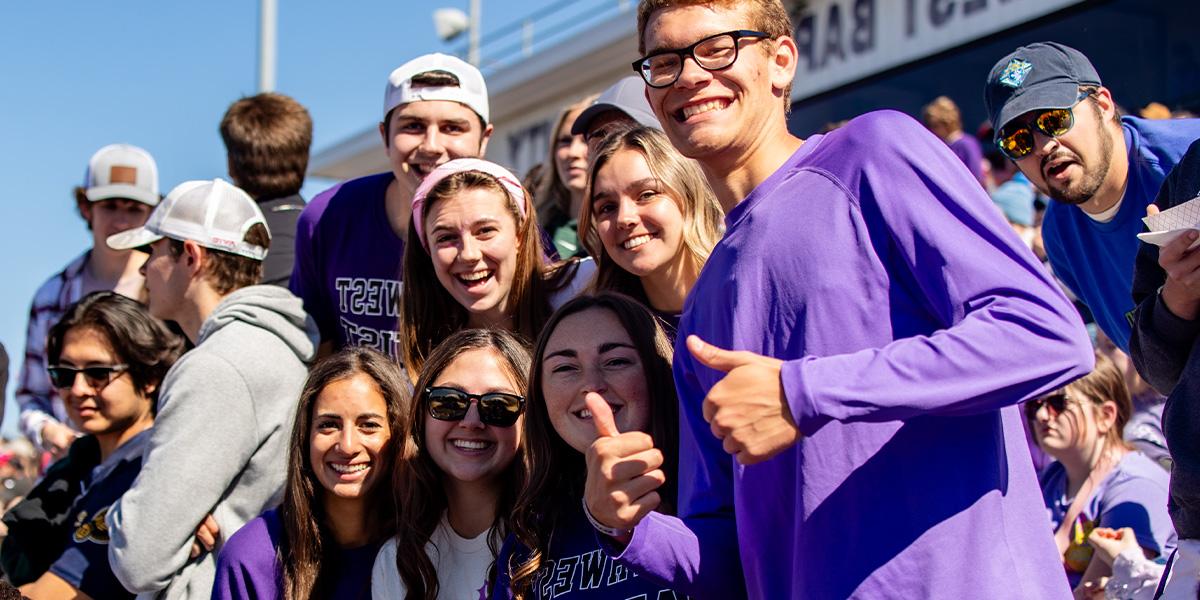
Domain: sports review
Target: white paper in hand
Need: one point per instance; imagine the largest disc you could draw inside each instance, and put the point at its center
(1172, 223)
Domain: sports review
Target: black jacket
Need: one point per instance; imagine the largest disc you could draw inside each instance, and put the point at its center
(1165, 351)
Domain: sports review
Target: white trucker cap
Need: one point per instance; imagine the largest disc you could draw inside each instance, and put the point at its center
(121, 171)
(471, 90)
(214, 214)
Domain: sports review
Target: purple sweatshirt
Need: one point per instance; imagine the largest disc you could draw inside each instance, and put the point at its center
(249, 567)
(911, 320)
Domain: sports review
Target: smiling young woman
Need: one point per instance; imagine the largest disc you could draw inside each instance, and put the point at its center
(610, 346)
(650, 221)
(456, 491)
(477, 260)
(337, 505)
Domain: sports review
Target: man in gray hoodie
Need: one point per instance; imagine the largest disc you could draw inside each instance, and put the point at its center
(219, 443)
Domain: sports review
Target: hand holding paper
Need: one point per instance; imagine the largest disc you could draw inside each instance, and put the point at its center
(1169, 224)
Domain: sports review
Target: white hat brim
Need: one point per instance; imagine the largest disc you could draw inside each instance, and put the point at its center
(132, 238)
(120, 190)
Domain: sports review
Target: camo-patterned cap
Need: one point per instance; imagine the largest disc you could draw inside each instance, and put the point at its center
(1039, 76)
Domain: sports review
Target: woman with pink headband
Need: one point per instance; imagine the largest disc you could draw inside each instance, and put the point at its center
(479, 260)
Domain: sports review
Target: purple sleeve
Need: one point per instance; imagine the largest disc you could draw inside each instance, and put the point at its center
(247, 567)
(1007, 332)
(305, 282)
(697, 553)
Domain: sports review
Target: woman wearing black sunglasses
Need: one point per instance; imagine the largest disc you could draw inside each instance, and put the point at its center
(456, 491)
(1097, 479)
(107, 358)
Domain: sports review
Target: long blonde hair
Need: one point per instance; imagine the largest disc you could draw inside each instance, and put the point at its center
(703, 220)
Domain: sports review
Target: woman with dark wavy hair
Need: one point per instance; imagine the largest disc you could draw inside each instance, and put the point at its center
(610, 347)
(456, 492)
(337, 505)
(107, 358)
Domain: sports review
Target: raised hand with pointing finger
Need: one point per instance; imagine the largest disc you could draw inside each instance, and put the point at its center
(746, 409)
(624, 473)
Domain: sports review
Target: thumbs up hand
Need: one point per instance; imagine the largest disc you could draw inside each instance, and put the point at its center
(746, 409)
(624, 472)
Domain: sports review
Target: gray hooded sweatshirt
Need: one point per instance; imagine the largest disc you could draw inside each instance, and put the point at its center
(219, 443)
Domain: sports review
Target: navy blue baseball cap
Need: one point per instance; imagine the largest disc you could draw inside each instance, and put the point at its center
(1039, 76)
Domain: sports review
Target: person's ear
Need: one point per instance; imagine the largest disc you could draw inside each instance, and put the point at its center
(149, 389)
(383, 135)
(1105, 104)
(1106, 416)
(483, 139)
(784, 59)
(194, 256)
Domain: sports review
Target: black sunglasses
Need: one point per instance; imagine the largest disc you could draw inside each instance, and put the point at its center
(712, 53)
(495, 408)
(97, 376)
(1055, 403)
(1016, 138)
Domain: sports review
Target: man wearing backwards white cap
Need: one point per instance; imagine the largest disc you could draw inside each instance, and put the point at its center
(350, 239)
(119, 190)
(235, 392)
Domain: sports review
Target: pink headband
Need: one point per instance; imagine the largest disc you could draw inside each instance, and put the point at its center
(458, 165)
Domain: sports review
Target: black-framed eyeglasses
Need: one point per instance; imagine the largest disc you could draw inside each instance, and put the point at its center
(1055, 403)
(712, 53)
(495, 408)
(97, 376)
(1016, 138)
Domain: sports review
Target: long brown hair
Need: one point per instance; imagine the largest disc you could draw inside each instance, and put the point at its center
(307, 546)
(429, 313)
(556, 470)
(417, 485)
(703, 220)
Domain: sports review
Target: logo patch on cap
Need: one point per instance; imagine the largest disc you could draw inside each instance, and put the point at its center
(1015, 73)
(120, 174)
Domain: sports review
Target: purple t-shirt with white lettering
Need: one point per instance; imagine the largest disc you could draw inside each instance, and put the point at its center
(577, 568)
(349, 265)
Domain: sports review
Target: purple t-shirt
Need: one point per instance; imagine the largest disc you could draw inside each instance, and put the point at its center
(349, 264)
(577, 567)
(248, 566)
(1133, 494)
(911, 320)
(968, 150)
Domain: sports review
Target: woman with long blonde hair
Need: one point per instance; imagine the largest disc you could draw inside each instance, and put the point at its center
(650, 221)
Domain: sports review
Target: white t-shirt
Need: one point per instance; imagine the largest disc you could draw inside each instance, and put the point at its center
(462, 566)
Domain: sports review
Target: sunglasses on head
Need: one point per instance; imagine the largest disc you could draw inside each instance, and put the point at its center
(1016, 139)
(97, 376)
(1055, 403)
(495, 408)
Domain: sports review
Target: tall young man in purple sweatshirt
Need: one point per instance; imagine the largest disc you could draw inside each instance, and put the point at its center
(855, 347)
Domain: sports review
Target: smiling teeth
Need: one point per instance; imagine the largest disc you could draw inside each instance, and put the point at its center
(585, 414)
(695, 109)
(470, 444)
(347, 469)
(476, 276)
(634, 242)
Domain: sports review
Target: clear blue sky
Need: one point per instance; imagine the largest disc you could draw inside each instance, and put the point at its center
(75, 76)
